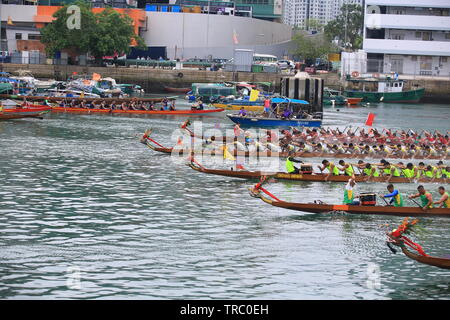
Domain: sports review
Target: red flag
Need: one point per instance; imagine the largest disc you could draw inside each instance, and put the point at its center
(370, 118)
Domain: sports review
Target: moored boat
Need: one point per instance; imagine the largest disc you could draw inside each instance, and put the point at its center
(177, 90)
(284, 113)
(352, 209)
(383, 90)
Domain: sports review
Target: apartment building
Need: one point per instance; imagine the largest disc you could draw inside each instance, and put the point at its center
(408, 36)
(297, 12)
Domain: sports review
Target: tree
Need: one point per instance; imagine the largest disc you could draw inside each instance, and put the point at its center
(312, 47)
(313, 24)
(101, 34)
(347, 27)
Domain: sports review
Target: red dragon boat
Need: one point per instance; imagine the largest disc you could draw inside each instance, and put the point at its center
(18, 111)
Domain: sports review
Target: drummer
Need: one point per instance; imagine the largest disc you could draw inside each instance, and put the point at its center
(396, 197)
(349, 196)
(290, 167)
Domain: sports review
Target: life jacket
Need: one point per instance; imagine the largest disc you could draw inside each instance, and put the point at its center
(408, 173)
(289, 166)
(375, 173)
(396, 172)
(429, 173)
(335, 169)
(349, 171)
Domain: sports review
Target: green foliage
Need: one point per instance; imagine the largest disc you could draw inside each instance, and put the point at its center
(313, 24)
(347, 27)
(312, 47)
(102, 34)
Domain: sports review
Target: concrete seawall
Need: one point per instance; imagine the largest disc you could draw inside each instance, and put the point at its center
(154, 79)
(151, 79)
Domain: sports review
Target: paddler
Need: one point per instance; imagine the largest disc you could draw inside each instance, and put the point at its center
(409, 171)
(425, 197)
(349, 196)
(444, 202)
(332, 169)
(290, 167)
(430, 172)
(396, 197)
(347, 168)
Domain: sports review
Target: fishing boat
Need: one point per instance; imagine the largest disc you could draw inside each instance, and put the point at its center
(177, 90)
(238, 104)
(260, 154)
(284, 112)
(314, 177)
(332, 97)
(398, 238)
(320, 207)
(11, 110)
(383, 90)
(183, 112)
(208, 92)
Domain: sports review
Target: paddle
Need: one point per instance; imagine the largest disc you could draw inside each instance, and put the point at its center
(415, 202)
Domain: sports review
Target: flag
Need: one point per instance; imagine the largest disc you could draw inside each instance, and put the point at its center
(227, 154)
(370, 118)
(254, 95)
(180, 141)
(235, 38)
(96, 76)
(239, 164)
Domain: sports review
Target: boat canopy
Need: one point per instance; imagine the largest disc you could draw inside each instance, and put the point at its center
(287, 100)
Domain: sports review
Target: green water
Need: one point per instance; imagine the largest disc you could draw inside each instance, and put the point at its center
(79, 192)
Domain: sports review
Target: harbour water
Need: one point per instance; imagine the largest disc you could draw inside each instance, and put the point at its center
(87, 212)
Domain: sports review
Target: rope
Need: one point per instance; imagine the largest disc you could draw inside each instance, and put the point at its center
(414, 246)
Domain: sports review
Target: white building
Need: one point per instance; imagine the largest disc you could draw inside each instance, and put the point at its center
(408, 36)
(296, 12)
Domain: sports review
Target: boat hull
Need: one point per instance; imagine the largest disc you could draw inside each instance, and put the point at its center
(267, 122)
(410, 96)
(243, 174)
(443, 263)
(177, 90)
(236, 107)
(367, 210)
(26, 112)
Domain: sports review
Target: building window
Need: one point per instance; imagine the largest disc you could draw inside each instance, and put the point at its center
(447, 35)
(425, 63)
(444, 59)
(34, 37)
(18, 36)
(418, 34)
(413, 58)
